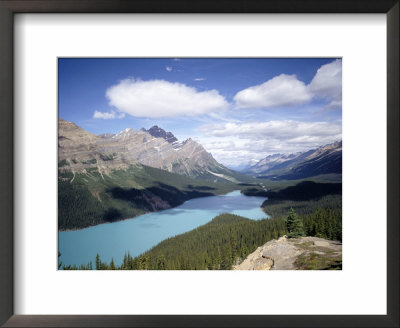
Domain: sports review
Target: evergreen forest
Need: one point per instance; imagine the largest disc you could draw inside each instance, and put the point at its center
(228, 238)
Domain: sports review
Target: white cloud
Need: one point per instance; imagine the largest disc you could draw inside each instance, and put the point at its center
(199, 79)
(282, 90)
(233, 144)
(107, 115)
(334, 104)
(282, 130)
(168, 68)
(159, 98)
(327, 84)
(231, 151)
(287, 90)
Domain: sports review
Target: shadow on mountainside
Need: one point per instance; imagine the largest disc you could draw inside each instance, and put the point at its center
(155, 198)
(305, 190)
(199, 187)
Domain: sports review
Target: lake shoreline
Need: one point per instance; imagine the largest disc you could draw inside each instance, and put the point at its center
(133, 217)
(147, 230)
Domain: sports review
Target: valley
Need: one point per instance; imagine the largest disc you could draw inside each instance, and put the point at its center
(110, 177)
(168, 187)
(145, 231)
(91, 197)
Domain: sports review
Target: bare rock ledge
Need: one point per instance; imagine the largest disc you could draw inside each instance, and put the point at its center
(293, 254)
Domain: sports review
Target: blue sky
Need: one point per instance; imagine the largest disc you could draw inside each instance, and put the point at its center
(238, 109)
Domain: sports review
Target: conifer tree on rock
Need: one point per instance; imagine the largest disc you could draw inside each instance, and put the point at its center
(294, 225)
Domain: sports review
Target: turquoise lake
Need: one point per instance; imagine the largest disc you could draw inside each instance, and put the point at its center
(139, 234)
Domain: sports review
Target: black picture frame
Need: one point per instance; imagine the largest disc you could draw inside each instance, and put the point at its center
(10, 7)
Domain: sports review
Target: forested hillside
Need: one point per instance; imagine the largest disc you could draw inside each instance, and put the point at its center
(318, 204)
(87, 199)
(110, 177)
(228, 239)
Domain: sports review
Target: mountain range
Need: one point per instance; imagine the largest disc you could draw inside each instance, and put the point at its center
(323, 160)
(80, 150)
(110, 177)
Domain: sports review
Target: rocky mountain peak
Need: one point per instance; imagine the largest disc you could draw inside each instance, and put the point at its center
(80, 150)
(125, 134)
(158, 132)
(64, 125)
(70, 131)
(125, 131)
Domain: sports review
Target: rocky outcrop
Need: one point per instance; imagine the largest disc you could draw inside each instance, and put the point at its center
(294, 254)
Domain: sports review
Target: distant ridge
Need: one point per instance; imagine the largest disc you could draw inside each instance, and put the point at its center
(323, 160)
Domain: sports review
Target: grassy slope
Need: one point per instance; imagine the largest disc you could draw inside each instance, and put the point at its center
(93, 198)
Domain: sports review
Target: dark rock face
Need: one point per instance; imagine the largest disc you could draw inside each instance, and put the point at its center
(157, 132)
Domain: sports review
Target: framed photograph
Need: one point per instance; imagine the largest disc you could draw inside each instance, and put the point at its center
(206, 164)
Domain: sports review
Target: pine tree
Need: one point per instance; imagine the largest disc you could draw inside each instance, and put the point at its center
(98, 262)
(294, 225)
(144, 262)
(206, 261)
(234, 247)
(217, 262)
(243, 251)
(161, 262)
(226, 260)
(125, 262)
(320, 221)
(112, 264)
